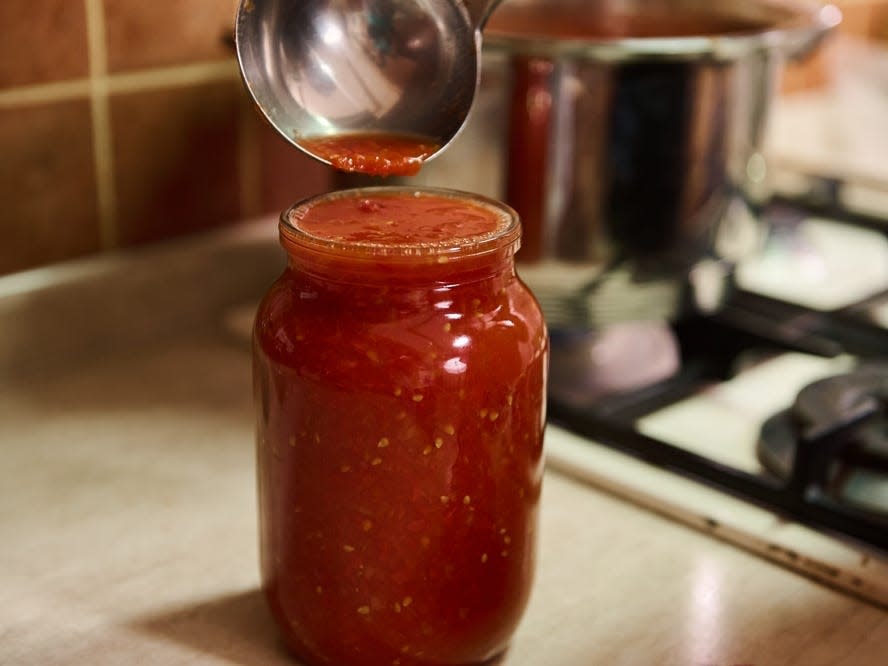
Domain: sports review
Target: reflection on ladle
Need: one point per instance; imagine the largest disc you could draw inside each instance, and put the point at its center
(356, 68)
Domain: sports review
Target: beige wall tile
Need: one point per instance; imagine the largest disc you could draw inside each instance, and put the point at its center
(41, 41)
(47, 185)
(158, 33)
(175, 160)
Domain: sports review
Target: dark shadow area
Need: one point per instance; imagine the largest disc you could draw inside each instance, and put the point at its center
(237, 628)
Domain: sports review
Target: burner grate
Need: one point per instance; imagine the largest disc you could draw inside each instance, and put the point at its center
(800, 487)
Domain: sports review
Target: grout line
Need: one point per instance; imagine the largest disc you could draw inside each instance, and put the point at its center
(164, 77)
(44, 92)
(148, 79)
(101, 123)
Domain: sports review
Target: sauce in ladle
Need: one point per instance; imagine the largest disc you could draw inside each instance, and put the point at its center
(374, 154)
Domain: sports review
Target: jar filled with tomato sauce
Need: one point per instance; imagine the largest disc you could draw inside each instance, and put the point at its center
(399, 370)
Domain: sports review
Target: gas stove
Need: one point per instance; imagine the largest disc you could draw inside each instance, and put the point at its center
(778, 400)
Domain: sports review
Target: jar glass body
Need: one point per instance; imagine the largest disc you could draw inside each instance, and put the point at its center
(400, 420)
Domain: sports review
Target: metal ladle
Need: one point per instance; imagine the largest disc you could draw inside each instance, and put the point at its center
(320, 68)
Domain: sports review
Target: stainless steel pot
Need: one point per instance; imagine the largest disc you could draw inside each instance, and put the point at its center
(626, 133)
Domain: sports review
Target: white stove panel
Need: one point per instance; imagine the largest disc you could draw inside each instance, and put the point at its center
(818, 263)
(722, 421)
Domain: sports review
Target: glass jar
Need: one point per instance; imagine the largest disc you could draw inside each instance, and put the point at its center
(399, 369)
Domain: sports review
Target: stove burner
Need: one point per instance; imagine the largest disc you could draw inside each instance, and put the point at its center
(824, 461)
(588, 366)
(836, 430)
(827, 483)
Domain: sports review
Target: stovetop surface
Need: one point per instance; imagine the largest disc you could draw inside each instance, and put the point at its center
(813, 304)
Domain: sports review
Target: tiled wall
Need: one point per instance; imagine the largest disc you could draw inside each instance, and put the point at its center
(124, 122)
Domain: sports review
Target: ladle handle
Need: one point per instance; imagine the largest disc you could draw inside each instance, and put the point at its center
(480, 11)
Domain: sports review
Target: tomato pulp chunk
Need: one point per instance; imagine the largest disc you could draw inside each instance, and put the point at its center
(373, 154)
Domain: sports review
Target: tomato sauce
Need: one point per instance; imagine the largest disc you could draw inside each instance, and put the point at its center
(399, 220)
(560, 22)
(399, 370)
(373, 154)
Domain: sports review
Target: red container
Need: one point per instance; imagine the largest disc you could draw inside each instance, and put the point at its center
(399, 369)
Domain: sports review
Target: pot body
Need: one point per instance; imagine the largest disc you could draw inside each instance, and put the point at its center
(627, 137)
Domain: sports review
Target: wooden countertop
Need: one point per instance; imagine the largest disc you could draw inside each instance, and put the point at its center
(128, 517)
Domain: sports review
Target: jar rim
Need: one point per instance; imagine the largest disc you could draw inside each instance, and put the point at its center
(506, 234)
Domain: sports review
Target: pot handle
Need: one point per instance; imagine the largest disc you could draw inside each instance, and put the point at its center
(480, 10)
(530, 121)
(802, 41)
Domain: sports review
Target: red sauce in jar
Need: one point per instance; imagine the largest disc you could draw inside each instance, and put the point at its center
(373, 154)
(398, 220)
(400, 376)
(584, 23)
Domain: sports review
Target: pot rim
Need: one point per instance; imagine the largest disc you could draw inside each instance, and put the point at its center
(793, 35)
